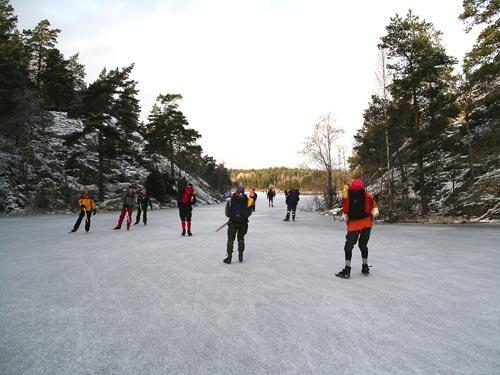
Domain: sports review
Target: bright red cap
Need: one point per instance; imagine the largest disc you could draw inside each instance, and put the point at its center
(357, 184)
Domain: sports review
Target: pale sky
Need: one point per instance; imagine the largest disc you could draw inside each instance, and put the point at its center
(255, 75)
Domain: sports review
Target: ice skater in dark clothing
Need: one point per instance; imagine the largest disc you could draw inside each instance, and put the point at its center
(270, 197)
(292, 199)
(143, 202)
(359, 209)
(87, 208)
(185, 201)
(238, 210)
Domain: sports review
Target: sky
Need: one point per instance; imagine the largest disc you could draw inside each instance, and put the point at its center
(255, 75)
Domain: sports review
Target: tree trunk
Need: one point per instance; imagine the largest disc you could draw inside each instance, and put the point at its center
(100, 184)
(420, 157)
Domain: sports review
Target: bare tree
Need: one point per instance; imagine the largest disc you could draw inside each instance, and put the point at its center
(320, 149)
(383, 82)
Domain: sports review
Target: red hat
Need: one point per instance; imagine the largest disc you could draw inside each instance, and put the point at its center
(357, 184)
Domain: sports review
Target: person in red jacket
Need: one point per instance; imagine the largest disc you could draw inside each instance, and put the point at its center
(359, 209)
(185, 201)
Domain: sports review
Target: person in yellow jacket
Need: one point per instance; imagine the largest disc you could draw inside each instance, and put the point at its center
(87, 206)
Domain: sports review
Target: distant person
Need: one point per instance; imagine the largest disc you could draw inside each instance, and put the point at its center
(292, 199)
(270, 197)
(359, 209)
(253, 197)
(185, 201)
(238, 210)
(143, 202)
(87, 208)
(128, 205)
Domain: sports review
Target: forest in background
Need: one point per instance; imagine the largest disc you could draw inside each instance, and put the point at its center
(37, 81)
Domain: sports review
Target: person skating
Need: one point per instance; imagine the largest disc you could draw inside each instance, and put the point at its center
(359, 209)
(185, 201)
(292, 199)
(253, 196)
(87, 208)
(128, 205)
(143, 202)
(270, 197)
(238, 210)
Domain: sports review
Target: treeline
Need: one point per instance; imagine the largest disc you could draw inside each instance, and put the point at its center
(35, 77)
(283, 178)
(429, 126)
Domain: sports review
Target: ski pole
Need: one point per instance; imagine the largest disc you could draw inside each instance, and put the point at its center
(222, 226)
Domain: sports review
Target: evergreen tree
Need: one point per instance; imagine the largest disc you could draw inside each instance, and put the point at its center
(57, 82)
(15, 86)
(167, 130)
(422, 81)
(481, 89)
(39, 41)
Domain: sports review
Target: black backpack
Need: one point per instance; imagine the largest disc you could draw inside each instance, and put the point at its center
(357, 204)
(239, 212)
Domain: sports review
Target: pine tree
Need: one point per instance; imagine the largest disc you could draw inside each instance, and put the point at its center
(15, 87)
(422, 81)
(481, 89)
(57, 82)
(39, 41)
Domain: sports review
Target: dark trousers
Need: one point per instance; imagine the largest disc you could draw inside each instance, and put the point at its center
(291, 207)
(80, 218)
(236, 230)
(361, 237)
(185, 212)
(144, 212)
(271, 203)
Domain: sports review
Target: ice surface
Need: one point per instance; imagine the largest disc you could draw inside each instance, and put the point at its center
(149, 301)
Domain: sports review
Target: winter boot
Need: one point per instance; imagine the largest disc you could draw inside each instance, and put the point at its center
(287, 218)
(345, 273)
(183, 232)
(136, 223)
(240, 256)
(189, 233)
(293, 217)
(228, 259)
(73, 230)
(128, 226)
(117, 228)
(365, 269)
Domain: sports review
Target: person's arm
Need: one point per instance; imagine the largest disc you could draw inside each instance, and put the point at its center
(227, 208)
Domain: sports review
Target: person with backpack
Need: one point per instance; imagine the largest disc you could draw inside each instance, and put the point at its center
(270, 197)
(128, 205)
(185, 201)
(253, 195)
(359, 209)
(238, 210)
(87, 208)
(143, 202)
(292, 199)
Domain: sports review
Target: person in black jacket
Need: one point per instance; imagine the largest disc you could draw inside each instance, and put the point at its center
(270, 197)
(238, 212)
(292, 199)
(143, 202)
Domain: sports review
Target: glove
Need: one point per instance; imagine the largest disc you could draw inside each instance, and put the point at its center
(94, 212)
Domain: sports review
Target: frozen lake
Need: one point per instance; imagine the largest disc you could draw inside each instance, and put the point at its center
(148, 301)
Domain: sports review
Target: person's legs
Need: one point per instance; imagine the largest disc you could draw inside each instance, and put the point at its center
(363, 246)
(242, 231)
(78, 221)
(87, 221)
(145, 215)
(129, 217)
(182, 216)
(294, 209)
(350, 240)
(120, 219)
(189, 214)
(138, 216)
(231, 236)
